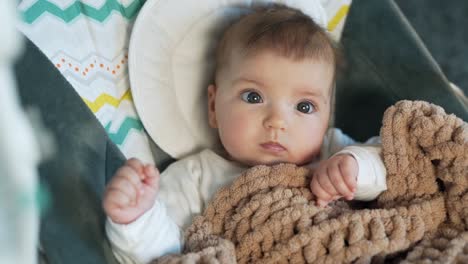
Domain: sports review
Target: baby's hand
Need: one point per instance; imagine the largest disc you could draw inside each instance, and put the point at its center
(131, 192)
(335, 178)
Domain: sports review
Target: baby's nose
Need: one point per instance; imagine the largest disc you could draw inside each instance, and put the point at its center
(275, 120)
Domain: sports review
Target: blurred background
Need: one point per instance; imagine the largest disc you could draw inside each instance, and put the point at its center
(443, 27)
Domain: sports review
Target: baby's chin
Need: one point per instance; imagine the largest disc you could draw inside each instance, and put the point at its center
(272, 161)
(269, 160)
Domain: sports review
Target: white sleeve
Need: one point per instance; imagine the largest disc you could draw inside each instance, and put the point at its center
(180, 190)
(335, 140)
(150, 236)
(371, 180)
(159, 231)
(372, 174)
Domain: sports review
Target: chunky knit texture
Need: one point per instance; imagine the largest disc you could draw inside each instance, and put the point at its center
(268, 214)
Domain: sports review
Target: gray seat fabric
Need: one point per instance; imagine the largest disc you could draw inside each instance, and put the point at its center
(72, 228)
(386, 62)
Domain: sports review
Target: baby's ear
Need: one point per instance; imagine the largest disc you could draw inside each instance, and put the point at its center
(211, 106)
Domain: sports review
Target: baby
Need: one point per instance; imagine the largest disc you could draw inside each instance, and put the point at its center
(271, 103)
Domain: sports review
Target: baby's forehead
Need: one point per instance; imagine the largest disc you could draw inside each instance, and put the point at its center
(268, 59)
(271, 69)
(241, 58)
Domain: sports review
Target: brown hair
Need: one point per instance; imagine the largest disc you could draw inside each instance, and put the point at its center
(284, 30)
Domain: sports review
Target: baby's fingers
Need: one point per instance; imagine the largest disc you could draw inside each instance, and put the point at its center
(115, 200)
(325, 182)
(337, 179)
(152, 176)
(137, 166)
(123, 185)
(319, 192)
(350, 172)
(128, 175)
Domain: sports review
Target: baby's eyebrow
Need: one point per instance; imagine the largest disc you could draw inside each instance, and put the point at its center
(308, 92)
(250, 80)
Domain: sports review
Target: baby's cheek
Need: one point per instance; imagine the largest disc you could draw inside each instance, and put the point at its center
(306, 147)
(236, 134)
(227, 128)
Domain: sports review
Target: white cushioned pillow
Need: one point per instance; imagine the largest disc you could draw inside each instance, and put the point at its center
(171, 64)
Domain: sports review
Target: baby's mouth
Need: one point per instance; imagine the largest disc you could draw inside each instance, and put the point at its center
(274, 147)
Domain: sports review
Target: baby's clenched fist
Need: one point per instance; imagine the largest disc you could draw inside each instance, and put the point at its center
(131, 192)
(335, 178)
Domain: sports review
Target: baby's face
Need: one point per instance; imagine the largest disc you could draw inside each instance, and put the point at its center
(270, 109)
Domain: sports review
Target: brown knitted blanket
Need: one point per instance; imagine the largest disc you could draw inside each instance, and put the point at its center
(268, 214)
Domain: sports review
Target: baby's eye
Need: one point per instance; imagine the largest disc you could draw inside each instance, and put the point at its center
(251, 97)
(305, 107)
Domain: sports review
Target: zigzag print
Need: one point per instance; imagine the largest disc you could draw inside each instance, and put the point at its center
(92, 56)
(96, 77)
(104, 99)
(93, 64)
(129, 124)
(78, 8)
(89, 78)
(340, 14)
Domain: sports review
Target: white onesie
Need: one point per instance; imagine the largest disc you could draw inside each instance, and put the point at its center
(188, 185)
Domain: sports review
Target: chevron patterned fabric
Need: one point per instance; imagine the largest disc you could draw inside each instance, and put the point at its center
(78, 8)
(87, 41)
